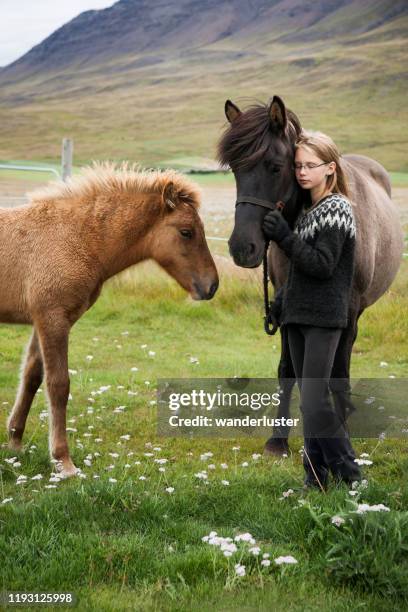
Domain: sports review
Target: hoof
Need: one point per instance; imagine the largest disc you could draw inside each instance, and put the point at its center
(276, 447)
(66, 469)
(15, 445)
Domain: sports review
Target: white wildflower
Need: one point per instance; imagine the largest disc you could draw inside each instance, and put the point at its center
(362, 508)
(228, 548)
(206, 456)
(285, 560)
(244, 537)
(201, 475)
(239, 569)
(337, 520)
(363, 462)
(287, 493)
(11, 460)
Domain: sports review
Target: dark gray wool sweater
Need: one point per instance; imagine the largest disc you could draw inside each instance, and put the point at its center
(321, 252)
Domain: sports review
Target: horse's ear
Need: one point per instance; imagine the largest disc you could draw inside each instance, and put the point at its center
(170, 195)
(277, 114)
(231, 111)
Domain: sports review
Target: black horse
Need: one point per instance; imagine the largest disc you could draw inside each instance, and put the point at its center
(258, 146)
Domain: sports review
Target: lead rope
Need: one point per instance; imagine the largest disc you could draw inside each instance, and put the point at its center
(270, 324)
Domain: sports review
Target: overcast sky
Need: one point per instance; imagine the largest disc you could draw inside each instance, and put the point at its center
(25, 23)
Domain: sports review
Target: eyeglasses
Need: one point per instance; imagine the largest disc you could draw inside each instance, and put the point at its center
(308, 166)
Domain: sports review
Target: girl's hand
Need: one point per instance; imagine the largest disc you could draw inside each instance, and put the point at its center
(275, 227)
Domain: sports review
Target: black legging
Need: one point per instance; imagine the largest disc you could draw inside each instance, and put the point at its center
(327, 445)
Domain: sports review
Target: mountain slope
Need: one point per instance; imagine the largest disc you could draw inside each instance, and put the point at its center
(149, 83)
(138, 26)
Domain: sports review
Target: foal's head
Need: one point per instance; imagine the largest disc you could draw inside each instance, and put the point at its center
(178, 242)
(258, 146)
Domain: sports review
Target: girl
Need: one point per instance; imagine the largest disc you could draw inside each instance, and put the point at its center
(315, 301)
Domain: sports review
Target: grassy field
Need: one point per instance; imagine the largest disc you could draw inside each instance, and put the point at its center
(132, 532)
(353, 89)
(213, 179)
(128, 535)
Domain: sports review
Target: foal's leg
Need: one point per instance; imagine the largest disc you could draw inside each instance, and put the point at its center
(31, 379)
(53, 334)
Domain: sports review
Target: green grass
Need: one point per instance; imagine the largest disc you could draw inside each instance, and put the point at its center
(212, 179)
(130, 544)
(399, 179)
(353, 89)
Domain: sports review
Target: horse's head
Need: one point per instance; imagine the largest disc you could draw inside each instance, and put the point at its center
(258, 146)
(178, 242)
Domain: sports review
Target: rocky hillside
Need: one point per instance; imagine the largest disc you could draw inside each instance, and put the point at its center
(155, 29)
(147, 79)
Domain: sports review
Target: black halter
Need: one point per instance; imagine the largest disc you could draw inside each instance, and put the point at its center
(279, 205)
(270, 324)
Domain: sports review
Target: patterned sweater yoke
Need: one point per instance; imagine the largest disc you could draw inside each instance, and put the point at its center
(333, 212)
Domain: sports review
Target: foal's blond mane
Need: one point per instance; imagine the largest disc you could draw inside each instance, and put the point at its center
(106, 178)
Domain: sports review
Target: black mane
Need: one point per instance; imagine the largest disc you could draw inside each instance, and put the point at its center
(250, 137)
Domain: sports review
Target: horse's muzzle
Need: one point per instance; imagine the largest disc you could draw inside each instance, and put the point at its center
(204, 291)
(248, 257)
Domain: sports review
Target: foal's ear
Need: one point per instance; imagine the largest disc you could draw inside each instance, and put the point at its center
(170, 195)
(277, 114)
(231, 111)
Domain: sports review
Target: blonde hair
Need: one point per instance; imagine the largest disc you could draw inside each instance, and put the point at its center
(326, 150)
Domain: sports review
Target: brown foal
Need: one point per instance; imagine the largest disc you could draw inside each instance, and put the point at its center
(56, 253)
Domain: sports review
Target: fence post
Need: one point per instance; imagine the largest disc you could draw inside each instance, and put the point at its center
(66, 158)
